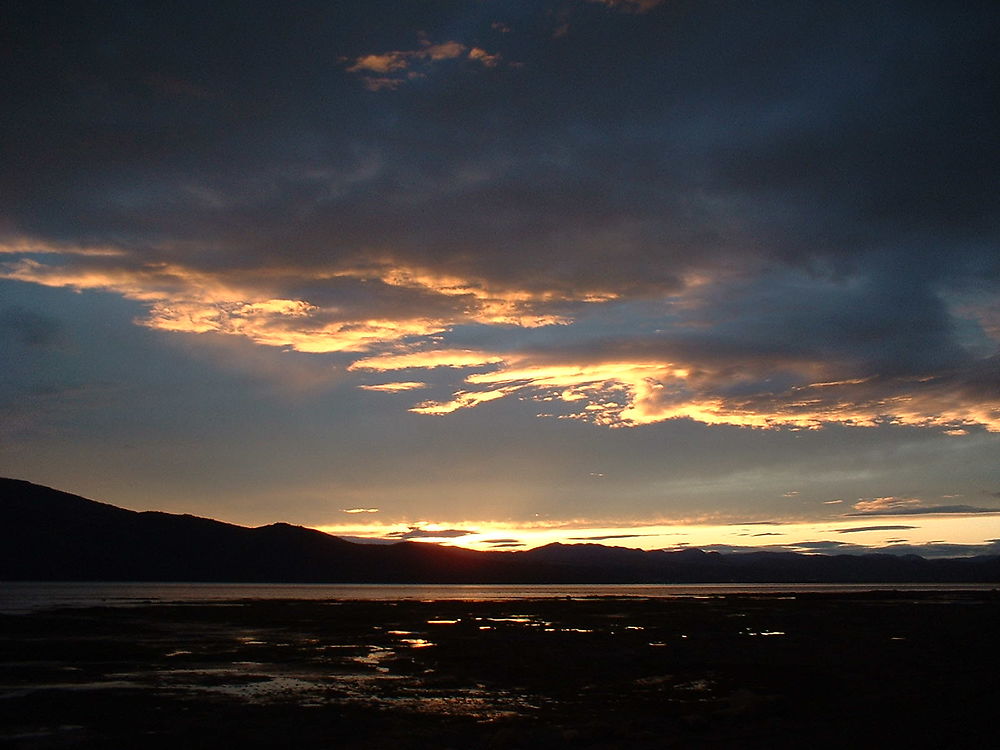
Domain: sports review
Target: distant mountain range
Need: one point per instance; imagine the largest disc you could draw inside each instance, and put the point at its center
(48, 535)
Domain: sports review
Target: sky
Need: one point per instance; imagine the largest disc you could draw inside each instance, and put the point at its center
(653, 273)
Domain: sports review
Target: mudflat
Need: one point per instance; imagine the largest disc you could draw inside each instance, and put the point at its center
(915, 669)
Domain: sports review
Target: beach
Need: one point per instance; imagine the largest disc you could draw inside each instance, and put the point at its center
(916, 668)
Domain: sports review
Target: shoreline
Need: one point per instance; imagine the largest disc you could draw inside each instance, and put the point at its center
(733, 670)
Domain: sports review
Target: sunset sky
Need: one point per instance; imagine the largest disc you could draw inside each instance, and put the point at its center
(643, 272)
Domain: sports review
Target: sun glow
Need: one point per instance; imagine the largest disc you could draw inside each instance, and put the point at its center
(853, 533)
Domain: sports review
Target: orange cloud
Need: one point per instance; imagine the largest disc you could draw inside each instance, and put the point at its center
(426, 359)
(23, 246)
(882, 504)
(400, 63)
(462, 400)
(484, 57)
(248, 303)
(387, 63)
(394, 387)
(482, 302)
(633, 393)
(397, 308)
(185, 300)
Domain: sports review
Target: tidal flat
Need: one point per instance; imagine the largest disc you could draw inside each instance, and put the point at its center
(893, 668)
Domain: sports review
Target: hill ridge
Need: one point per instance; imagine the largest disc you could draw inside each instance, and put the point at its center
(48, 534)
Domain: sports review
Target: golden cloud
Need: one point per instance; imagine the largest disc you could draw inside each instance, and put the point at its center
(425, 359)
(633, 393)
(623, 392)
(244, 303)
(882, 504)
(400, 63)
(22, 246)
(408, 385)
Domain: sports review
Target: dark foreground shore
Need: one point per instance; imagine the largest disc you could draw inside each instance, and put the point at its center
(738, 671)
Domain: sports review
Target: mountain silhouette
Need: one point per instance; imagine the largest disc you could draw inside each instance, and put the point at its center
(49, 535)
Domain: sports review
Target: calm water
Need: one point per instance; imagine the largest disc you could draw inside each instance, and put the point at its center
(21, 597)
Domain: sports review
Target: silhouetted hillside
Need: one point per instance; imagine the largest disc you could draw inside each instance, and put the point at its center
(46, 534)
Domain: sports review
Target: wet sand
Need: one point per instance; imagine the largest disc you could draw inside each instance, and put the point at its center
(756, 671)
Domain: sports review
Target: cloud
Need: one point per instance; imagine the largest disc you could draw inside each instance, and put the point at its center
(403, 303)
(359, 510)
(607, 536)
(884, 504)
(874, 528)
(630, 6)
(927, 509)
(504, 543)
(484, 57)
(819, 546)
(30, 328)
(390, 70)
(627, 393)
(425, 359)
(417, 532)
(898, 506)
(896, 547)
(25, 246)
(394, 387)
(754, 246)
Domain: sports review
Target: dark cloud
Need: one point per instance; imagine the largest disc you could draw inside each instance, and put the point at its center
(935, 549)
(941, 549)
(821, 545)
(919, 510)
(607, 536)
(804, 155)
(420, 533)
(874, 528)
(30, 328)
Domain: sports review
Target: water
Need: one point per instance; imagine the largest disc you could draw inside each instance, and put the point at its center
(21, 597)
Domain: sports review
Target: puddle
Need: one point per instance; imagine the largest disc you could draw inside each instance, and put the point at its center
(374, 658)
(417, 642)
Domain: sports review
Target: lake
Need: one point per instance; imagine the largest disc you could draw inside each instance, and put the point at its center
(18, 597)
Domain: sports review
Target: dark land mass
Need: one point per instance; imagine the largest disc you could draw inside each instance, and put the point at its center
(874, 669)
(48, 535)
